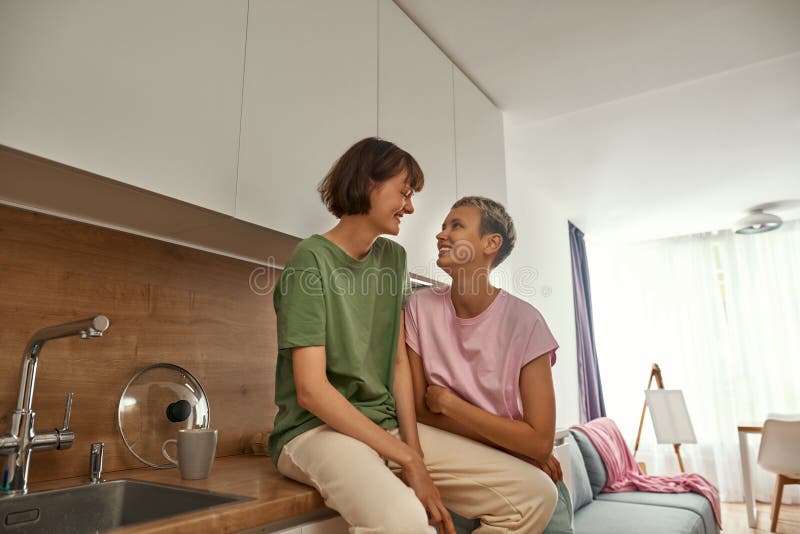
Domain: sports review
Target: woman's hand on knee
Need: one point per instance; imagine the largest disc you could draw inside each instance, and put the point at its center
(417, 477)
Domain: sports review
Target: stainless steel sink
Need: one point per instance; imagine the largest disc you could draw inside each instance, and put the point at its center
(103, 506)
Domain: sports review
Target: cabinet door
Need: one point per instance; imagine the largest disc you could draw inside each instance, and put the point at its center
(310, 92)
(480, 150)
(416, 112)
(147, 93)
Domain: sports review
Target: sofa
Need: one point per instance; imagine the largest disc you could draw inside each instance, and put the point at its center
(631, 512)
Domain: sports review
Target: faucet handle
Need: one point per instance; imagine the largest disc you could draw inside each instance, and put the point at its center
(68, 410)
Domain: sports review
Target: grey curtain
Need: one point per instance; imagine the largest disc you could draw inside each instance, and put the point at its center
(591, 391)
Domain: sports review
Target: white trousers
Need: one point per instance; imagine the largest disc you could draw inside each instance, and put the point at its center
(476, 481)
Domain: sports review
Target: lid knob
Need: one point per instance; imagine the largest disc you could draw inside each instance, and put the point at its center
(179, 411)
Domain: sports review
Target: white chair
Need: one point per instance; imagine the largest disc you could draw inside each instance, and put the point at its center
(779, 453)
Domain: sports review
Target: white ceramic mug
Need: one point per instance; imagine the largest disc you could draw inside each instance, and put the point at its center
(196, 448)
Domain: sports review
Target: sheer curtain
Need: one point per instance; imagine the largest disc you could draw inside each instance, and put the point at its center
(720, 313)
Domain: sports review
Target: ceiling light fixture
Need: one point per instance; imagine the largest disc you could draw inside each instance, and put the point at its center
(758, 222)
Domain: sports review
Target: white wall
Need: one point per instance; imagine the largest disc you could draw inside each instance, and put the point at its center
(539, 270)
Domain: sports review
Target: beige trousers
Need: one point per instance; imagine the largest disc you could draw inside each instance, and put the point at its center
(475, 481)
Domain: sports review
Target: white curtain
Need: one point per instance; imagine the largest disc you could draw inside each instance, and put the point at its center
(720, 314)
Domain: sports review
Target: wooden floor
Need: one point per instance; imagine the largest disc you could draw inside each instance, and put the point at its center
(734, 519)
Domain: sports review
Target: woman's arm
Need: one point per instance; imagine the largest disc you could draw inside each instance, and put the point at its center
(316, 394)
(424, 415)
(403, 393)
(419, 480)
(532, 437)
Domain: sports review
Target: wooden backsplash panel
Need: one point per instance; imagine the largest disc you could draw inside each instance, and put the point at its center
(166, 303)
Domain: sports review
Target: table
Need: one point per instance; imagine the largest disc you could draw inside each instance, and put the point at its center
(749, 496)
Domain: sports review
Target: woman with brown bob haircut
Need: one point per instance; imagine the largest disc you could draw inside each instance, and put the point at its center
(343, 385)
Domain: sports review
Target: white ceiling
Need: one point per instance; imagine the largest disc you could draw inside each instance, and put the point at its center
(540, 58)
(623, 70)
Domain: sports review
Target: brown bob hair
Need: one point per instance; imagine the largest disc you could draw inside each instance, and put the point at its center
(346, 188)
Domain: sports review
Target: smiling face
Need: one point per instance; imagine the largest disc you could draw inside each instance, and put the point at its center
(460, 242)
(390, 200)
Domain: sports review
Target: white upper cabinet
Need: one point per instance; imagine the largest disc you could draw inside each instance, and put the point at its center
(480, 150)
(310, 92)
(148, 93)
(416, 112)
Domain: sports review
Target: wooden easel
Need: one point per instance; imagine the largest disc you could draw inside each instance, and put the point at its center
(655, 373)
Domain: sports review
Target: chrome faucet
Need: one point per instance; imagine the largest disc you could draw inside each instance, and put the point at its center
(22, 440)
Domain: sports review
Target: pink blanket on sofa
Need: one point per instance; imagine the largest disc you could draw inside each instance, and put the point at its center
(624, 473)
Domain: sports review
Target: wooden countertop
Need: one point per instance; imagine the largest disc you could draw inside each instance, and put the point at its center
(275, 497)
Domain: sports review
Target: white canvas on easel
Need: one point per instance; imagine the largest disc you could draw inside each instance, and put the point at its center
(670, 416)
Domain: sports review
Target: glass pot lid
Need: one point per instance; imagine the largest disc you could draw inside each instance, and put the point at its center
(158, 401)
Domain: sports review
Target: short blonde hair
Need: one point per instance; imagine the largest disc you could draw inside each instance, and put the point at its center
(494, 220)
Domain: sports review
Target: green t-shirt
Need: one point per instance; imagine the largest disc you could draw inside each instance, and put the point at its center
(352, 307)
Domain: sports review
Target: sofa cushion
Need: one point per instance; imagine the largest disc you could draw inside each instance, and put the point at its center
(692, 502)
(606, 517)
(595, 468)
(562, 519)
(581, 489)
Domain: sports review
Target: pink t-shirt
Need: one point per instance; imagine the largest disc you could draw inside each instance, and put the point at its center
(479, 358)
